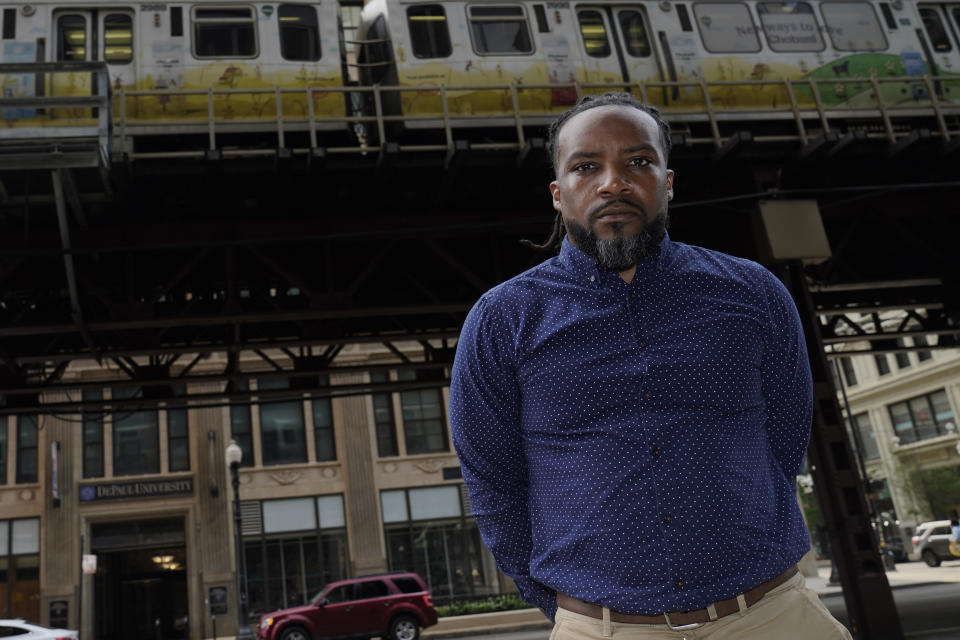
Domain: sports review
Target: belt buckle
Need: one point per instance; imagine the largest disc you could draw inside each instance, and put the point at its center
(682, 627)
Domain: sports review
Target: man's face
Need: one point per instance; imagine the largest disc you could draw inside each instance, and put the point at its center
(612, 184)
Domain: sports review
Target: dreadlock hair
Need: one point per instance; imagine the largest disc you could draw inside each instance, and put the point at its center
(611, 98)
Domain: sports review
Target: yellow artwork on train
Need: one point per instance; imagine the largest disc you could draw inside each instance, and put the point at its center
(238, 92)
(733, 84)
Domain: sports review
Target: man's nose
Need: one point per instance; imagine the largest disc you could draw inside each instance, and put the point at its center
(613, 183)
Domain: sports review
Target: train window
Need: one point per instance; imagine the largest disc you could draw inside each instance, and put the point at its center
(9, 24)
(299, 32)
(72, 38)
(176, 22)
(500, 30)
(853, 26)
(429, 31)
(224, 32)
(726, 27)
(888, 15)
(594, 33)
(684, 16)
(790, 26)
(117, 38)
(634, 33)
(542, 25)
(935, 30)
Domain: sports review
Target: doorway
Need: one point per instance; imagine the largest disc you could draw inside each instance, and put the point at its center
(140, 588)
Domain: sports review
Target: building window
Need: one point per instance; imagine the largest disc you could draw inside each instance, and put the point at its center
(861, 422)
(883, 365)
(853, 26)
(429, 33)
(790, 26)
(849, 375)
(240, 429)
(430, 531)
(324, 442)
(224, 32)
(921, 341)
(136, 437)
(20, 568)
(282, 434)
(300, 545)
(921, 418)
(726, 27)
(423, 420)
(299, 32)
(92, 437)
(27, 446)
(500, 30)
(902, 357)
(383, 418)
(3, 449)
(118, 38)
(178, 440)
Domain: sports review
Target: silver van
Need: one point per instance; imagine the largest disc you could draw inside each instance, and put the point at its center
(931, 542)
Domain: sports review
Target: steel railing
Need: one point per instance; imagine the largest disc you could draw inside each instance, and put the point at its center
(797, 106)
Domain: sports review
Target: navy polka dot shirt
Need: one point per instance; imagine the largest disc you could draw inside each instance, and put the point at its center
(635, 445)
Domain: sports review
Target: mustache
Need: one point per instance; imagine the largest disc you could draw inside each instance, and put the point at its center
(619, 201)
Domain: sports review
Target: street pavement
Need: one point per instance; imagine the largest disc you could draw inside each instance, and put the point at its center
(927, 600)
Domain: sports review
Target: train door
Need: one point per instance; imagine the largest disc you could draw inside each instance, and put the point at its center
(616, 44)
(90, 35)
(941, 23)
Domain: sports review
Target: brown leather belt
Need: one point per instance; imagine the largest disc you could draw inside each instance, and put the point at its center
(677, 618)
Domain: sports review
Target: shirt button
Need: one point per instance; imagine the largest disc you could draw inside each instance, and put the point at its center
(592, 278)
(666, 518)
(633, 295)
(641, 343)
(679, 583)
(656, 453)
(648, 395)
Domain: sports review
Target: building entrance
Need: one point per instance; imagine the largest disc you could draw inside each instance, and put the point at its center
(140, 588)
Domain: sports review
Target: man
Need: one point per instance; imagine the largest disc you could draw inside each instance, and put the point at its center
(631, 415)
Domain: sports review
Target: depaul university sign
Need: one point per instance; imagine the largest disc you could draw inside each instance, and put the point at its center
(138, 489)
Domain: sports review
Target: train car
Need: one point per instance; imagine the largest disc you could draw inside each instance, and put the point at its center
(723, 55)
(174, 63)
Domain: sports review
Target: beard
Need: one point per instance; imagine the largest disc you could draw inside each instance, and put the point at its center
(621, 251)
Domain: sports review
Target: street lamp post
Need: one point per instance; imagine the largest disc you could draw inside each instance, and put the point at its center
(234, 456)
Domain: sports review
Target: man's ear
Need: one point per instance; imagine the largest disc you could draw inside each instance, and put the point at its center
(670, 175)
(555, 192)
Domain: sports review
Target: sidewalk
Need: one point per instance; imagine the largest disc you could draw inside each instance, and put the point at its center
(907, 574)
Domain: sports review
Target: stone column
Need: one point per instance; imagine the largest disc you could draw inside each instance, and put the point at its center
(364, 529)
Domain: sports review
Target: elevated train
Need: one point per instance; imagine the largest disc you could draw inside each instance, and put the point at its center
(178, 66)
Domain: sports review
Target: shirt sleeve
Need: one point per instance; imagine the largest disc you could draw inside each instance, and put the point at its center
(787, 385)
(485, 423)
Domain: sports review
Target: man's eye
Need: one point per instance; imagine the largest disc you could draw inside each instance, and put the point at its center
(586, 166)
(641, 162)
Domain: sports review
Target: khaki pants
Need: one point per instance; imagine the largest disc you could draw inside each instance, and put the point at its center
(788, 612)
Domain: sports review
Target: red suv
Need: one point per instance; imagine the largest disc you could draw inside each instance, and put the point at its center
(391, 605)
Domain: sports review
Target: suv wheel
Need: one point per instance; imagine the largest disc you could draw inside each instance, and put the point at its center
(294, 633)
(403, 628)
(931, 558)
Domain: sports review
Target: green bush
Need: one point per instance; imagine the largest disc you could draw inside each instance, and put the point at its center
(485, 605)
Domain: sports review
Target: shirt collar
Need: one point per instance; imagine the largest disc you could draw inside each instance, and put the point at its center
(585, 266)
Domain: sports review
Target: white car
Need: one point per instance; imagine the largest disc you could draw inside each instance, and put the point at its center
(26, 631)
